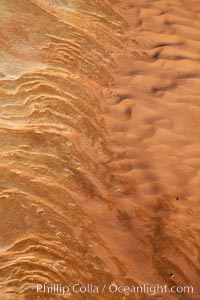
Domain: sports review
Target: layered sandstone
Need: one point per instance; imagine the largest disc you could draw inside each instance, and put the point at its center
(99, 145)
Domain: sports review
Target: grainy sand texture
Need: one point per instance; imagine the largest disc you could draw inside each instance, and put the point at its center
(99, 147)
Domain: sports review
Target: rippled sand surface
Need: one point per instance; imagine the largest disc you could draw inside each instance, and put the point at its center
(99, 145)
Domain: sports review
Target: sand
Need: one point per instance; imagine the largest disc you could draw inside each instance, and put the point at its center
(99, 148)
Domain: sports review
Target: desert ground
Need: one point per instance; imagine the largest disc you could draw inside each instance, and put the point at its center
(99, 147)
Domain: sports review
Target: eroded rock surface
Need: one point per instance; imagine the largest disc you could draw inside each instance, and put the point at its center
(99, 145)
